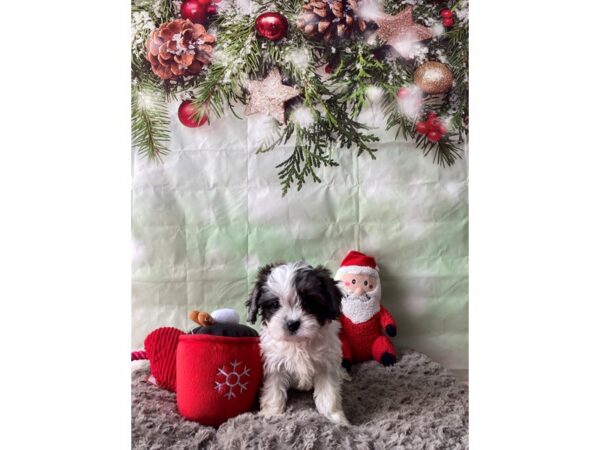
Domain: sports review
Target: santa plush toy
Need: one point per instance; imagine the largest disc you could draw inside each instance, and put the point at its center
(365, 322)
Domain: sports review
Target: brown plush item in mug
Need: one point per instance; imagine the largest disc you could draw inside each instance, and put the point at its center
(202, 318)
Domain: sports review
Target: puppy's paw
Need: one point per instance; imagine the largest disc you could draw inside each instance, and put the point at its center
(339, 418)
(270, 412)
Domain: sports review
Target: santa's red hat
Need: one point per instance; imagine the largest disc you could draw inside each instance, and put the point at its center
(358, 263)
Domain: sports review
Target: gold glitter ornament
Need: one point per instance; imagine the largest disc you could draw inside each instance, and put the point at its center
(433, 77)
(268, 96)
(401, 28)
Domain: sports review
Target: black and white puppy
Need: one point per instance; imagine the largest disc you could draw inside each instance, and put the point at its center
(300, 346)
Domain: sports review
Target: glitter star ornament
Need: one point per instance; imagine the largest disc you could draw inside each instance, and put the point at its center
(401, 28)
(268, 96)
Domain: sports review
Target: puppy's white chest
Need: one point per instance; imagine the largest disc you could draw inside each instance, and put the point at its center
(302, 377)
(300, 367)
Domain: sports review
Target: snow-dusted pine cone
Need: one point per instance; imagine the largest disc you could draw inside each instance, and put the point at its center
(329, 19)
(179, 47)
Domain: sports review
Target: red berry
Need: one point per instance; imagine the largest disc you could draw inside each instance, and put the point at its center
(446, 13)
(447, 22)
(434, 136)
(442, 129)
(433, 123)
(422, 128)
(403, 92)
(431, 114)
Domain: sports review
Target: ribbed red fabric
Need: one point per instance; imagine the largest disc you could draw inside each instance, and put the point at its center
(365, 341)
(217, 376)
(137, 355)
(161, 348)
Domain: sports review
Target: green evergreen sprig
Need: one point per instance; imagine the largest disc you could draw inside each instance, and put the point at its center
(149, 120)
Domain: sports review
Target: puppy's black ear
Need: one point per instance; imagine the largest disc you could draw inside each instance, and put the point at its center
(252, 302)
(330, 291)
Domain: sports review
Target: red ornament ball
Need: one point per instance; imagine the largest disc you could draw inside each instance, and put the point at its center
(271, 25)
(448, 22)
(403, 93)
(446, 13)
(434, 136)
(187, 113)
(195, 10)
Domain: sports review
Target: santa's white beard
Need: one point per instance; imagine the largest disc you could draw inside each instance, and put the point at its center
(360, 308)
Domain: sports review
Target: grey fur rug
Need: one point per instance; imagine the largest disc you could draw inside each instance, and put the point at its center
(415, 404)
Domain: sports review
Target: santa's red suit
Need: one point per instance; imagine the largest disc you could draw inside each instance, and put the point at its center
(364, 321)
(366, 340)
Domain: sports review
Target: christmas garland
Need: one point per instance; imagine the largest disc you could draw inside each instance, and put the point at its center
(311, 65)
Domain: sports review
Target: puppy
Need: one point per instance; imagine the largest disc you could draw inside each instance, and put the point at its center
(300, 347)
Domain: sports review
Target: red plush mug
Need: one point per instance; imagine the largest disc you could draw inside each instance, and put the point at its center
(217, 377)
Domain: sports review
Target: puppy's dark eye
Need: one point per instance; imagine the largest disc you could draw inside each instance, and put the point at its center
(353, 281)
(366, 283)
(273, 305)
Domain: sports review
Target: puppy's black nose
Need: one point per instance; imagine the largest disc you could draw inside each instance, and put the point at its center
(293, 325)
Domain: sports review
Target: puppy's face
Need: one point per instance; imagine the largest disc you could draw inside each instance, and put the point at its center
(294, 300)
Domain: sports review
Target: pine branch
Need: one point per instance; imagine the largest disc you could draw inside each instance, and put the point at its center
(149, 121)
(223, 85)
(458, 59)
(356, 72)
(445, 151)
(303, 161)
(159, 10)
(313, 147)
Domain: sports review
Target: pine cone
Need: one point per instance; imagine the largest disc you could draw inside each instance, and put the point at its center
(329, 19)
(179, 47)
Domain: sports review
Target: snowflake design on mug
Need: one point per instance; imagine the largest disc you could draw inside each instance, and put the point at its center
(230, 381)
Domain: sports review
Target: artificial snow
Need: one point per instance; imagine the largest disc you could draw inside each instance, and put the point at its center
(302, 116)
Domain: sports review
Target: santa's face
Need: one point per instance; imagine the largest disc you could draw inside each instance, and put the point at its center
(362, 296)
(357, 284)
